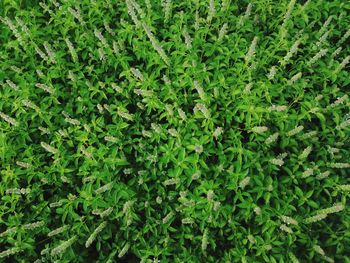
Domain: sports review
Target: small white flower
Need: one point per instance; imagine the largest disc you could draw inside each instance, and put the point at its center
(291, 52)
(196, 175)
(72, 50)
(132, 13)
(308, 172)
(306, 152)
(124, 250)
(205, 240)
(251, 239)
(333, 209)
(159, 200)
(315, 218)
(272, 73)
(277, 161)
(201, 107)
(173, 132)
(104, 188)
(63, 246)
(23, 164)
(211, 11)
(127, 205)
(156, 128)
(8, 119)
(94, 234)
(49, 148)
(169, 109)
(248, 87)
(319, 55)
(295, 78)
(289, 12)
(340, 100)
(8, 231)
(9, 252)
(156, 44)
(72, 121)
(217, 132)
(30, 104)
(289, 220)
(167, 218)
(210, 195)
(57, 231)
(45, 88)
(222, 32)
(171, 181)
(259, 129)
(286, 229)
(278, 108)
(243, 183)
(49, 52)
(100, 37)
(339, 165)
(187, 221)
(137, 73)
(257, 210)
(167, 10)
(182, 114)
(76, 14)
(246, 15)
(295, 131)
(272, 138)
(12, 85)
(251, 49)
(319, 250)
(200, 90)
(126, 115)
(198, 148)
(344, 187)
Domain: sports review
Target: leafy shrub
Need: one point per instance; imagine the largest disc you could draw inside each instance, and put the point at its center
(174, 131)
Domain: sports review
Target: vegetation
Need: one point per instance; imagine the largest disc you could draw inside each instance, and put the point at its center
(174, 131)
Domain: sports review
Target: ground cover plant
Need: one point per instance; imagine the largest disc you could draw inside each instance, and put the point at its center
(174, 131)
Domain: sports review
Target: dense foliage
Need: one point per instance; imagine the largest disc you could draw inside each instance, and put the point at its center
(174, 131)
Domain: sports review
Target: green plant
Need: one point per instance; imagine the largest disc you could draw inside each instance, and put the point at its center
(174, 131)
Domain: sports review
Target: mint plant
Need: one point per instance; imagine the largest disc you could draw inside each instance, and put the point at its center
(174, 131)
